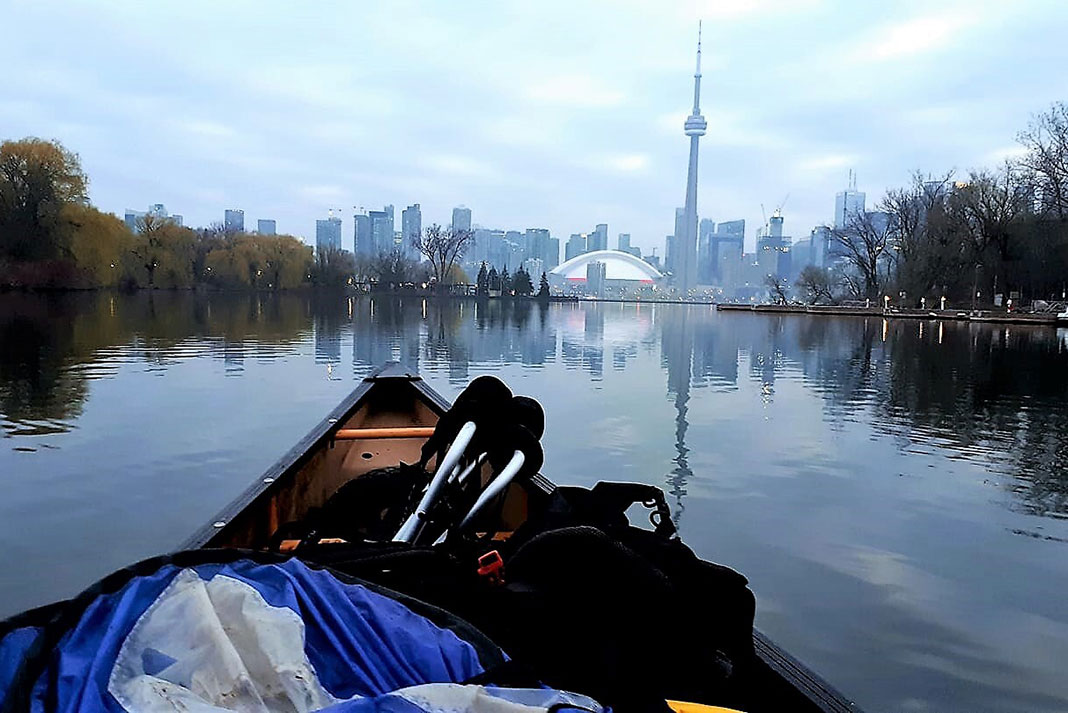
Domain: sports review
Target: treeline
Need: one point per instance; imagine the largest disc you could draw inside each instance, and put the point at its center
(51, 237)
(490, 281)
(1000, 231)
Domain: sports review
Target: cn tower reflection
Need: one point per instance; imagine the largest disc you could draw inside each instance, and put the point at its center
(676, 354)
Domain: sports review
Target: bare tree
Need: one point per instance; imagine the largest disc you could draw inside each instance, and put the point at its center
(1046, 160)
(991, 203)
(863, 244)
(924, 235)
(443, 247)
(815, 284)
(776, 288)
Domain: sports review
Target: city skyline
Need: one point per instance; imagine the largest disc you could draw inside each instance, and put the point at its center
(585, 133)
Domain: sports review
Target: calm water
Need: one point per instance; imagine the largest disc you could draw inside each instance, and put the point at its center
(896, 492)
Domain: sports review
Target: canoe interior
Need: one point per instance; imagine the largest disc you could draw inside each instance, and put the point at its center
(319, 464)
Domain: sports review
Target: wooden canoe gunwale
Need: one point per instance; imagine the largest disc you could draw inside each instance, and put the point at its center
(277, 476)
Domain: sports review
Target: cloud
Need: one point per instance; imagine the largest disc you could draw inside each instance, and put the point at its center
(914, 37)
(1005, 153)
(827, 163)
(210, 129)
(628, 163)
(574, 90)
(325, 194)
(458, 165)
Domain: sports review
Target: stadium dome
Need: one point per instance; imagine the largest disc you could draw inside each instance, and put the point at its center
(618, 266)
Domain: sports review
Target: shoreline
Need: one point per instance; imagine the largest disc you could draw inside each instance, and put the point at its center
(979, 316)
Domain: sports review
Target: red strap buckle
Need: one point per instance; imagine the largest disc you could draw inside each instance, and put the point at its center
(491, 566)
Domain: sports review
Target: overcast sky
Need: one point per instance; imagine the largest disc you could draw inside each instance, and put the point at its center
(534, 114)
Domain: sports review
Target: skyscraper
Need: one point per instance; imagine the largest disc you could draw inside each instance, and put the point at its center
(576, 245)
(234, 220)
(552, 253)
(362, 241)
(540, 245)
(671, 249)
(266, 227)
(848, 203)
(686, 244)
(774, 250)
(381, 230)
(461, 218)
(411, 227)
(598, 239)
(131, 219)
(705, 263)
(596, 274)
(328, 234)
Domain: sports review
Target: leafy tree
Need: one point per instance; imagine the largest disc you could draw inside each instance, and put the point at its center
(163, 253)
(522, 284)
(493, 280)
(456, 276)
(37, 179)
(482, 281)
(543, 288)
(506, 282)
(443, 247)
(97, 242)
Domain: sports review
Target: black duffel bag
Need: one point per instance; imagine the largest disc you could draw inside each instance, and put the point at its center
(586, 601)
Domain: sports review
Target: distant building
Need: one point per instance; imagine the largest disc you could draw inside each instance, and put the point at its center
(820, 248)
(266, 227)
(488, 248)
(131, 218)
(576, 245)
(542, 246)
(705, 264)
(234, 220)
(552, 257)
(362, 239)
(461, 218)
(673, 241)
(156, 210)
(598, 239)
(534, 267)
(774, 250)
(625, 246)
(596, 275)
(411, 227)
(848, 203)
(328, 234)
(381, 230)
(726, 244)
(177, 219)
(515, 246)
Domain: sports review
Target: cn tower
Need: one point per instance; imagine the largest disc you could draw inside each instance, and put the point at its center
(686, 263)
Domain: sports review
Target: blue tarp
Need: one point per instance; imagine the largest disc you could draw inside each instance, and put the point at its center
(251, 636)
(13, 648)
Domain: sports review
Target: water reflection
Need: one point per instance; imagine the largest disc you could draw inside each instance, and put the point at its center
(869, 475)
(676, 353)
(992, 394)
